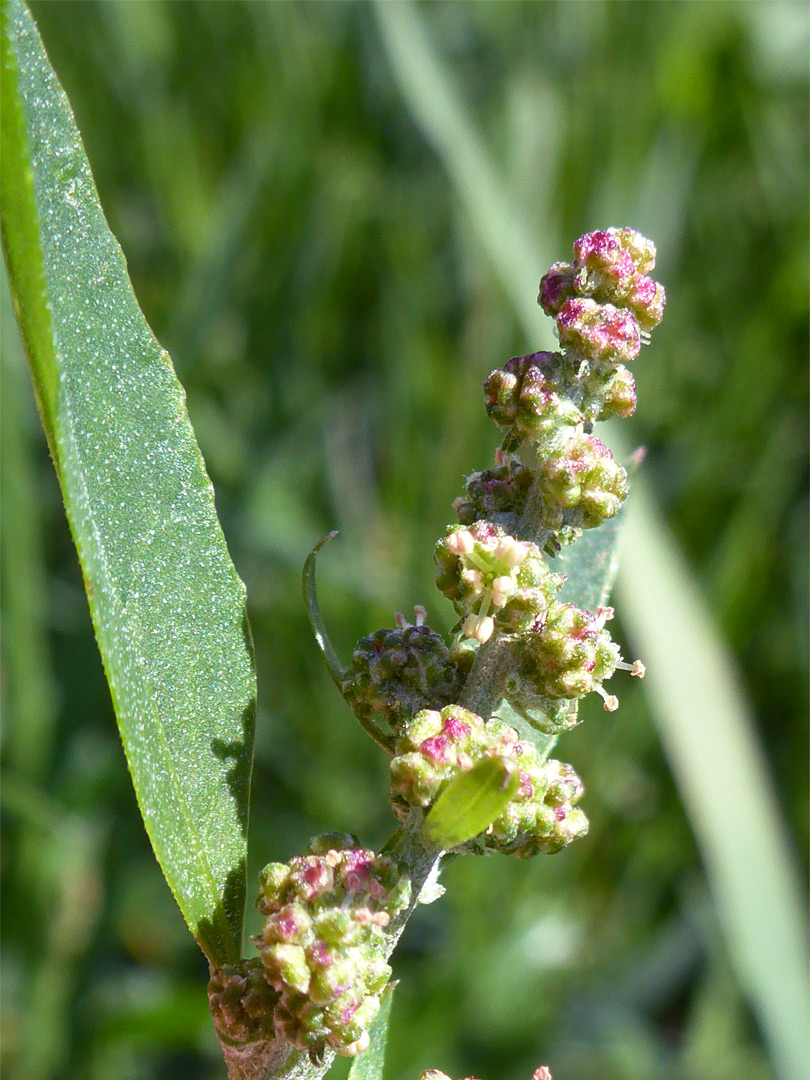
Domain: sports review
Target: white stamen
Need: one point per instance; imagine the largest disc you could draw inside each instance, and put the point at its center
(479, 627)
(472, 577)
(357, 1047)
(502, 588)
(610, 700)
(603, 615)
(504, 547)
(517, 554)
(420, 614)
(460, 542)
(636, 669)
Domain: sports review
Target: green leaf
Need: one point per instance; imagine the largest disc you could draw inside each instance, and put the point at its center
(470, 803)
(370, 1065)
(330, 657)
(590, 565)
(166, 603)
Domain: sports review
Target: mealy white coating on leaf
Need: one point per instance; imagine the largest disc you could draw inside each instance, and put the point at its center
(167, 605)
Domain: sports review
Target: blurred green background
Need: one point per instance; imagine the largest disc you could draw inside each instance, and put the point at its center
(320, 281)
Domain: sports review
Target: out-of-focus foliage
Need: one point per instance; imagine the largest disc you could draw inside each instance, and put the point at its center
(298, 249)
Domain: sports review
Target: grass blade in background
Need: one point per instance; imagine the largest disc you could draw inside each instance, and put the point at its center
(731, 808)
(167, 606)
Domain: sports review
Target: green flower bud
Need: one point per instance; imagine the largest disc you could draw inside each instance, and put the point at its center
(530, 823)
(287, 965)
(497, 495)
(567, 656)
(395, 673)
(242, 1003)
(582, 484)
(272, 881)
(523, 398)
(493, 580)
(639, 248)
(608, 390)
(331, 980)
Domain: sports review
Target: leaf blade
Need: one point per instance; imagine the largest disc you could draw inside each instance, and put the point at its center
(370, 1065)
(470, 803)
(167, 606)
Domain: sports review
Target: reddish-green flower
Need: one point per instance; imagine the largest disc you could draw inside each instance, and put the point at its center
(582, 484)
(524, 397)
(395, 673)
(322, 945)
(493, 580)
(435, 747)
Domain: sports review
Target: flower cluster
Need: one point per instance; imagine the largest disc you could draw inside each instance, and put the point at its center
(435, 747)
(322, 942)
(482, 569)
(582, 485)
(395, 673)
(323, 947)
(523, 397)
(498, 494)
(542, 1073)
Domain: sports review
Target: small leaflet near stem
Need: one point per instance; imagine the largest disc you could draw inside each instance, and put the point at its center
(328, 652)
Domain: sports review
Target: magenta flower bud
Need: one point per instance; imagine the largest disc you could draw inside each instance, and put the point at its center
(321, 947)
(437, 750)
(556, 286)
(311, 875)
(456, 729)
(523, 397)
(646, 299)
(639, 248)
(292, 924)
(598, 331)
(602, 266)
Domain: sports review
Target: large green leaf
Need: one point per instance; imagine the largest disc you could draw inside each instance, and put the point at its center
(167, 606)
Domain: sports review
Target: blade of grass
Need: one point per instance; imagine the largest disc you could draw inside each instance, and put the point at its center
(167, 606)
(694, 689)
